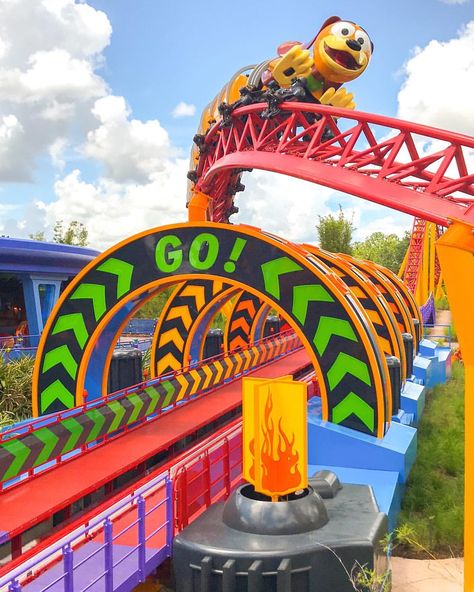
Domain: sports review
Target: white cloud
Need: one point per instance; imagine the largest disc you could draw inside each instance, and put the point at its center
(56, 152)
(48, 76)
(112, 211)
(183, 109)
(455, 1)
(439, 84)
(129, 149)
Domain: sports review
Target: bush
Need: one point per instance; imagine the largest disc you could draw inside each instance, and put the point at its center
(15, 389)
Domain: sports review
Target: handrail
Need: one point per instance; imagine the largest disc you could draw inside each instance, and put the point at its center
(52, 418)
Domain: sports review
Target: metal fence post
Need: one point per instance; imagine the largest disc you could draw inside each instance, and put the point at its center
(226, 467)
(109, 555)
(169, 515)
(207, 466)
(68, 563)
(141, 538)
(14, 586)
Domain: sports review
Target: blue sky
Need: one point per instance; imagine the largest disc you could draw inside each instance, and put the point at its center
(154, 55)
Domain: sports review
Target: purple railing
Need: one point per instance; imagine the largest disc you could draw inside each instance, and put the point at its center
(113, 552)
(428, 311)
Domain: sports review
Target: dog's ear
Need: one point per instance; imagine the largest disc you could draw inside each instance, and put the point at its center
(328, 21)
(286, 46)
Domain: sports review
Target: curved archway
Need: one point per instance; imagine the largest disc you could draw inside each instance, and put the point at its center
(373, 302)
(178, 317)
(390, 292)
(242, 322)
(332, 326)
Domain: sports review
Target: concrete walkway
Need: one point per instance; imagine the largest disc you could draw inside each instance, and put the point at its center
(414, 575)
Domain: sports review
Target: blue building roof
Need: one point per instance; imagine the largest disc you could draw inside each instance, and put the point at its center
(23, 255)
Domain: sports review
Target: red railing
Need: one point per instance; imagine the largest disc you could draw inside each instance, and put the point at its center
(207, 477)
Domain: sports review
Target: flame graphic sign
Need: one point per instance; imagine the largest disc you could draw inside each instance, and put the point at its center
(275, 435)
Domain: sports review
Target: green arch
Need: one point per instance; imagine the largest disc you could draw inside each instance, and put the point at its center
(330, 323)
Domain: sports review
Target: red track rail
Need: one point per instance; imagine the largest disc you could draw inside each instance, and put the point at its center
(415, 255)
(391, 171)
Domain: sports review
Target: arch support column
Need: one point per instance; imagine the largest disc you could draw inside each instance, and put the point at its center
(456, 254)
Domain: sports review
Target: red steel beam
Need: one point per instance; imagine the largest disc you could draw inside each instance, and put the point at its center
(295, 143)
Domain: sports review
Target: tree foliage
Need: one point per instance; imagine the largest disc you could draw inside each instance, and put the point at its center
(75, 233)
(335, 233)
(152, 309)
(386, 249)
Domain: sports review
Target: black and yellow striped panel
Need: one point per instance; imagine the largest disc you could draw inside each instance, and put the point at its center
(239, 326)
(176, 321)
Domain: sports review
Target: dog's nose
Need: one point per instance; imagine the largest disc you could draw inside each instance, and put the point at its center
(353, 44)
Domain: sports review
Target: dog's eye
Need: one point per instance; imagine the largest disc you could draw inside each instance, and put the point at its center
(364, 40)
(343, 29)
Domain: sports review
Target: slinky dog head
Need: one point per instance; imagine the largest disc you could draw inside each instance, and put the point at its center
(341, 50)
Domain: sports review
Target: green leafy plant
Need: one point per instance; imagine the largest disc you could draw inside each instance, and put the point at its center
(15, 389)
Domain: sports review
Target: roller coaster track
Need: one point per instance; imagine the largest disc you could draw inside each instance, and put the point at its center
(339, 149)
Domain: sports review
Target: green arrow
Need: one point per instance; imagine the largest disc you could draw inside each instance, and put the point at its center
(60, 355)
(155, 398)
(56, 391)
(329, 326)
(94, 292)
(170, 390)
(138, 404)
(122, 270)
(95, 416)
(74, 321)
(21, 452)
(75, 428)
(49, 440)
(353, 404)
(346, 364)
(272, 270)
(119, 411)
(303, 295)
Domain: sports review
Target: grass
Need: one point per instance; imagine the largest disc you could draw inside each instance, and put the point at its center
(433, 503)
(442, 303)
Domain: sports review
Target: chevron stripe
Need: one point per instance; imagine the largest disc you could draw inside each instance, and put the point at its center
(60, 356)
(346, 364)
(273, 270)
(173, 336)
(329, 326)
(76, 431)
(352, 404)
(20, 452)
(184, 384)
(49, 440)
(56, 392)
(123, 271)
(94, 292)
(72, 322)
(197, 292)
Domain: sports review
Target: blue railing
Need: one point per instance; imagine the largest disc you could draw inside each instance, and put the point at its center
(136, 534)
(140, 327)
(446, 335)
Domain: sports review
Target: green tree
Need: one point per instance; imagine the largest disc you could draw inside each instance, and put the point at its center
(335, 233)
(74, 234)
(386, 249)
(152, 309)
(38, 236)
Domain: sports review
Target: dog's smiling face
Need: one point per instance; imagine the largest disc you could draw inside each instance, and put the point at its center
(342, 51)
